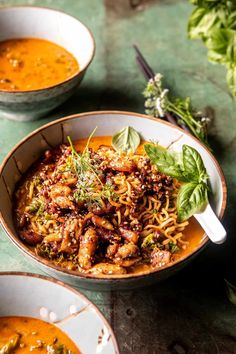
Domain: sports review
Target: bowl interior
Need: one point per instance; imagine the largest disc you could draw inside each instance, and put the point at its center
(34, 296)
(44, 23)
(80, 126)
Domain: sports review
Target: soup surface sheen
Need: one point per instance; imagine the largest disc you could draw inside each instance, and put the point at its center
(32, 63)
(24, 335)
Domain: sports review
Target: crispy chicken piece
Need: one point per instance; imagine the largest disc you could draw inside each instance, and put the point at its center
(122, 165)
(126, 263)
(108, 235)
(116, 163)
(88, 245)
(129, 235)
(97, 210)
(102, 222)
(60, 196)
(127, 255)
(160, 258)
(107, 269)
(70, 235)
(30, 237)
(112, 250)
(127, 250)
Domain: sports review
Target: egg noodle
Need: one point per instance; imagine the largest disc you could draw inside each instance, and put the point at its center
(99, 211)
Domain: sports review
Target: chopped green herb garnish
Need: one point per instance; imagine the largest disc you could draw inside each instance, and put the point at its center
(151, 242)
(90, 188)
(173, 247)
(37, 206)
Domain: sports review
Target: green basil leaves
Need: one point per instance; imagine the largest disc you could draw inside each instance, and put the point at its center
(188, 168)
(192, 198)
(215, 23)
(194, 169)
(127, 139)
(166, 162)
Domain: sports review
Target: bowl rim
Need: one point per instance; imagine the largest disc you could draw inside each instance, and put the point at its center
(73, 290)
(80, 72)
(107, 278)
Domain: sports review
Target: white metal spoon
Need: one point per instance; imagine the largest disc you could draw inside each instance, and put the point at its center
(211, 225)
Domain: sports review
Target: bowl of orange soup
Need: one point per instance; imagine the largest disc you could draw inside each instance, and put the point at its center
(32, 321)
(44, 54)
(95, 215)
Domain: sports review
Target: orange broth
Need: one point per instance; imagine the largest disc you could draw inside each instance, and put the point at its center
(33, 332)
(32, 63)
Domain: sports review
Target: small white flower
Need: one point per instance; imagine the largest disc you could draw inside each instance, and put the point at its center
(159, 107)
(164, 93)
(149, 103)
(158, 78)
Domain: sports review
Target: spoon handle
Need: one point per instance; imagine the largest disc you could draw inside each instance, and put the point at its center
(211, 225)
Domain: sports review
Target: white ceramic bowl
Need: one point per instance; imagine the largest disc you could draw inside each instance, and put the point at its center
(57, 27)
(80, 126)
(31, 295)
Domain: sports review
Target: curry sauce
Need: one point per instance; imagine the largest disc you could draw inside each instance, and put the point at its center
(20, 335)
(32, 63)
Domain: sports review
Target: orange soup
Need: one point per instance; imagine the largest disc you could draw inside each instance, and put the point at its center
(20, 335)
(32, 63)
(102, 211)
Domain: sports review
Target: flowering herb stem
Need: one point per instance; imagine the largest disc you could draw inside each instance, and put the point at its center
(159, 104)
(177, 111)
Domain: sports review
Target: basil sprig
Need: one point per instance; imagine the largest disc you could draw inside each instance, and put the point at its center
(214, 22)
(188, 168)
(127, 139)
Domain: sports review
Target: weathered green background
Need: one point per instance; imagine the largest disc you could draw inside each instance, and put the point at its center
(188, 313)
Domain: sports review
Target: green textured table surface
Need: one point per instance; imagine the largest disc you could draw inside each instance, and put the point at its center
(188, 313)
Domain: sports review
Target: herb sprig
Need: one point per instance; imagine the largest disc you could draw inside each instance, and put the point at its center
(214, 22)
(159, 104)
(90, 187)
(189, 168)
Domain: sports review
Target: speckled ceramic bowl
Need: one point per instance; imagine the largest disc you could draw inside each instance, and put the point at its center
(55, 26)
(31, 295)
(80, 126)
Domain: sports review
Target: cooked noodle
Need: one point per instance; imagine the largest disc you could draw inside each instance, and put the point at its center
(99, 211)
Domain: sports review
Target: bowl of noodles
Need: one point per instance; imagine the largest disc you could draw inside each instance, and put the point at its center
(95, 213)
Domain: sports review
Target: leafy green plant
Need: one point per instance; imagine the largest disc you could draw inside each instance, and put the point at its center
(189, 168)
(214, 22)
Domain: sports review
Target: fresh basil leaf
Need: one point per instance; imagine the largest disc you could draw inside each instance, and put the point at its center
(231, 20)
(192, 198)
(231, 50)
(201, 22)
(206, 3)
(127, 139)
(194, 168)
(165, 161)
(218, 43)
(231, 79)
